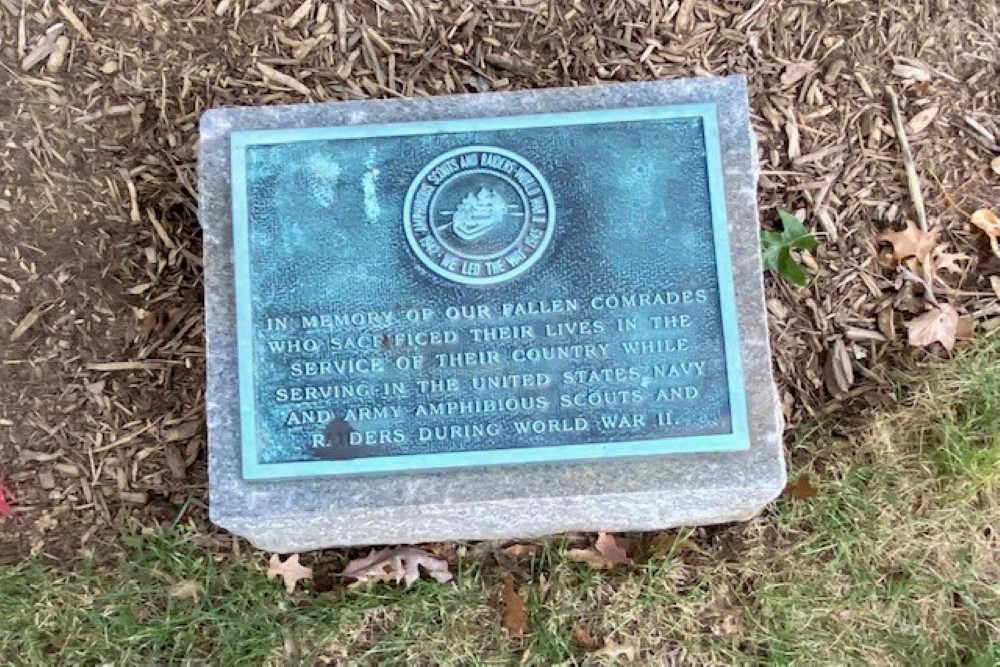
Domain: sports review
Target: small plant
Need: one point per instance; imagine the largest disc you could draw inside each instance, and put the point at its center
(778, 248)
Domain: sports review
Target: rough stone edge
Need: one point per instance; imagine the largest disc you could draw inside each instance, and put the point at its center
(577, 515)
(448, 520)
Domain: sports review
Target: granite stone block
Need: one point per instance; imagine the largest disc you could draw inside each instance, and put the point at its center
(501, 501)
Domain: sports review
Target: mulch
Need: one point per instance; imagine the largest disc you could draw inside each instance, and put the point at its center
(102, 374)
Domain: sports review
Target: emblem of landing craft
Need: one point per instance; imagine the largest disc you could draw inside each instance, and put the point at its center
(479, 215)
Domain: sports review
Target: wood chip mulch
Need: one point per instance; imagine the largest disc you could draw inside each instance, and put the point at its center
(102, 402)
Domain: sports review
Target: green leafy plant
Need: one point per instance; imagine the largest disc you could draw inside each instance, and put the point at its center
(778, 248)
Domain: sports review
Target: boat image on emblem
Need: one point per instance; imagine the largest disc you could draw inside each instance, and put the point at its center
(479, 215)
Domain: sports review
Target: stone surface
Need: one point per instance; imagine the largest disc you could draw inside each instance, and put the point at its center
(499, 501)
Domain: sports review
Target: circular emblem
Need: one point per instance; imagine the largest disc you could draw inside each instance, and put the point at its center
(479, 215)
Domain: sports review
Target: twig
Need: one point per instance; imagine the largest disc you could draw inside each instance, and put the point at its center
(912, 182)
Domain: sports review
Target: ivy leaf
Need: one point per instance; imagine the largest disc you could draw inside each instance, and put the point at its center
(790, 269)
(795, 233)
(778, 246)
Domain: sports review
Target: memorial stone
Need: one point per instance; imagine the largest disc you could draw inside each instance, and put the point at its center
(486, 316)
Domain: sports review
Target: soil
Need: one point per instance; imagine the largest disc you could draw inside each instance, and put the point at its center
(102, 408)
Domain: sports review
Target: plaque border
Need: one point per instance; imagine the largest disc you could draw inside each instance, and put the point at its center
(737, 440)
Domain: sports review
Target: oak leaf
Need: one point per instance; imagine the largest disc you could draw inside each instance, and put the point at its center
(801, 488)
(937, 325)
(949, 261)
(515, 619)
(290, 571)
(987, 221)
(605, 554)
(396, 565)
(911, 242)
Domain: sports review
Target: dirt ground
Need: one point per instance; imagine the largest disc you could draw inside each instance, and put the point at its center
(101, 409)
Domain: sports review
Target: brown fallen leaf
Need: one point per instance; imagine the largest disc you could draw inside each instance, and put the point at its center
(987, 221)
(582, 637)
(995, 165)
(514, 619)
(290, 571)
(937, 325)
(949, 261)
(609, 548)
(995, 284)
(612, 649)
(521, 550)
(605, 554)
(911, 242)
(396, 565)
(801, 488)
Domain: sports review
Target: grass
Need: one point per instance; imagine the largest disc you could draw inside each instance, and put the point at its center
(894, 561)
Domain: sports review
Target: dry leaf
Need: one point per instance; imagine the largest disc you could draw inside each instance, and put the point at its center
(839, 371)
(514, 619)
(612, 649)
(922, 119)
(521, 550)
(185, 588)
(608, 547)
(582, 637)
(290, 571)
(949, 261)
(402, 564)
(801, 488)
(995, 165)
(937, 325)
(995, 284)
(986, 220)
(606, 554)
(911, 242)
